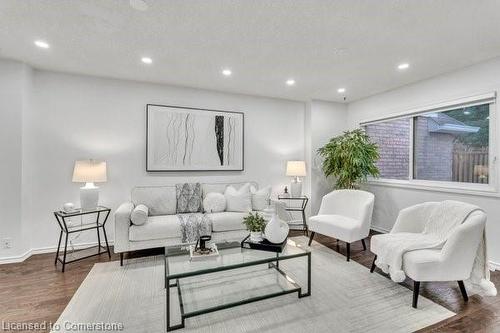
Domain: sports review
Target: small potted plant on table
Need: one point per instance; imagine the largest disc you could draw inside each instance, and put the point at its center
(255, 223)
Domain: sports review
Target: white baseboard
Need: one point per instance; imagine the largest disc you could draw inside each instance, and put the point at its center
(41, 250)
(14, 259)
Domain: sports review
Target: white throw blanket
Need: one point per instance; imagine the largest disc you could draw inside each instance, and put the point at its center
(441, 224)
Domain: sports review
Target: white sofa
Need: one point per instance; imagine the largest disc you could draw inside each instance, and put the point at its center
(162, 227)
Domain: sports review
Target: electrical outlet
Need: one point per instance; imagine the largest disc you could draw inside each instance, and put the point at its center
(7, 243)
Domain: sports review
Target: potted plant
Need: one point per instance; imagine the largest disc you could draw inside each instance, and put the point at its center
(350, 158)
(255, 223)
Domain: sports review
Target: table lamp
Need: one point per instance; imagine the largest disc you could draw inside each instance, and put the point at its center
(296, 169)
(88, 172)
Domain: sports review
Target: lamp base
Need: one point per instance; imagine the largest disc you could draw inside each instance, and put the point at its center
(296, 189)
(89, 197)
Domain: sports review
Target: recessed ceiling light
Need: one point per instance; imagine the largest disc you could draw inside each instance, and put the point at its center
(139, 5)
(42, 44)
(290, 82)
(403, 66)
(341, 90)
(227, 72)
(147, 60)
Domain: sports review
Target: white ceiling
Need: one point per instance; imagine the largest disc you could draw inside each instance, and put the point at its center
(323, 45)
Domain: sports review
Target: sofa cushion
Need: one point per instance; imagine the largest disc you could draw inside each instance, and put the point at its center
(238, 200)
(221, 187)
(213, 188)
(188, 197)
(344, 228)
(156, 227)
(160, 200)
(260, 198)
(227, 221)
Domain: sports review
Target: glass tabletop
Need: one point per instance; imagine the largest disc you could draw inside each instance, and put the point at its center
(231, 254)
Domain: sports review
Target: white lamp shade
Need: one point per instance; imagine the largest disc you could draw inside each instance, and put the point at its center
(89, 171)
(296, 168)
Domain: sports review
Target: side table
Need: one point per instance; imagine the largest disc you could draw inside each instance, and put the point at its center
(297, 204)
(61, 217)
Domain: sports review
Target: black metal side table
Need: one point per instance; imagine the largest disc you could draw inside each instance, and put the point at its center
(61, 217)
(299, 207)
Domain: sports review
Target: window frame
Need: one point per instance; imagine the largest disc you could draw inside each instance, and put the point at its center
(490, 189)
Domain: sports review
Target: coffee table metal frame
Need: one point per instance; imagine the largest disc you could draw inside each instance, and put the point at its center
(273, 263)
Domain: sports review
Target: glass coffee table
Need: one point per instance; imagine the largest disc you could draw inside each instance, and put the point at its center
(247, 276)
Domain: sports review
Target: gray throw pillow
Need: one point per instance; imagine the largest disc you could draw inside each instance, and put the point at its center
(188, 197)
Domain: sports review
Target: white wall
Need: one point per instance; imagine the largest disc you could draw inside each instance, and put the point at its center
(75, 117)
(473, 80)
(14, 88)
(69, 117)
(324, 120)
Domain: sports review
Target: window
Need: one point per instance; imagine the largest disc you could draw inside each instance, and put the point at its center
(452, 145)
(449, 144)
(393, 140)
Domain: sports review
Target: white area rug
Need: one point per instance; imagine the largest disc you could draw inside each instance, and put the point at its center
(345, 298)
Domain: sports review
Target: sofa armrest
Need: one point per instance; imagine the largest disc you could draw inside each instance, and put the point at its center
(122, 225)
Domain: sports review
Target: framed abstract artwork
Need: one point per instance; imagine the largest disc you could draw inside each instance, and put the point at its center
(189, 139)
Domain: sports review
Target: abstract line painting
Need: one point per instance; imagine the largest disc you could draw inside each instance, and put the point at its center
(189, 139)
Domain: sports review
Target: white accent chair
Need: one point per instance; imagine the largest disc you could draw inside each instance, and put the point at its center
(453, 262)
(345, 215)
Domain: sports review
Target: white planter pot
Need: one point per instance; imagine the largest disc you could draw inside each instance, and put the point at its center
(276, 230)
(256, 236)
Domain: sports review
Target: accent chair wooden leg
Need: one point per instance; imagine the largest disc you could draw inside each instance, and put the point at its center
(416, 288)
(373, 264)
(364, 244)
(463, 291)
(121, 259)
(311, 238)
(348, 246)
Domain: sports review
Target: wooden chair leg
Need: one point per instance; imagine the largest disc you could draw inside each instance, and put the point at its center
(364, 245)
(311, 238)
(463, 291)
(348, 246)
(373, 265)
(416, 288)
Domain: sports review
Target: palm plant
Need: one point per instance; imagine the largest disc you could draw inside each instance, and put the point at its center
(350, 158)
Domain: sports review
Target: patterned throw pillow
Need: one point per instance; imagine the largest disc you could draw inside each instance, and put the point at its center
(188, 197)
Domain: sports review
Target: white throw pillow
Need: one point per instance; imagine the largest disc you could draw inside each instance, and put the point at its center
(238, 200)
(139, 215)
(214, 202)
(260, 197)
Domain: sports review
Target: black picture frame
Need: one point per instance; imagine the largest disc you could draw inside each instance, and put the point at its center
(148, 169)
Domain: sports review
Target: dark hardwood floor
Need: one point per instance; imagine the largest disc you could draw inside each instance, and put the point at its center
(36, 291)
